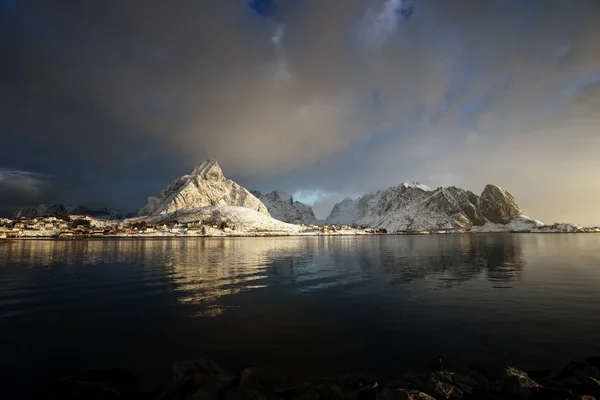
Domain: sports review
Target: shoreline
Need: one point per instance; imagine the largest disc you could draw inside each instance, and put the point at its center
(275, 234)
(444, 379)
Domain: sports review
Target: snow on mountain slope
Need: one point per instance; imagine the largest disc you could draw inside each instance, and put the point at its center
(205, 186)
(240, 219)
(521, 223)
(412, 205)
(282, 206)
(416, 185)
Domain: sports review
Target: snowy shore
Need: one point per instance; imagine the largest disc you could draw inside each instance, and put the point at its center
(232, 221)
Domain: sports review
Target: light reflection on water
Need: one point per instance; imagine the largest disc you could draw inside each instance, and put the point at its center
(320, 303)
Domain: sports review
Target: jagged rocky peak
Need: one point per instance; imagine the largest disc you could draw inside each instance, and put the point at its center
(498, 205)
(279, 195)
(412, 205)
(281, 206)
(205, 186)
(209, 169)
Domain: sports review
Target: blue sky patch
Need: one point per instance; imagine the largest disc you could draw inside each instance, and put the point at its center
(264, 8)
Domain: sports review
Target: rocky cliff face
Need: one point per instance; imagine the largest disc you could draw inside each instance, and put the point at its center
(498, 205)
(282, 206)
(205, 186)
(412, 205)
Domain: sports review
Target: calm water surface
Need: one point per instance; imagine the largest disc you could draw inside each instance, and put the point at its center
(311, 305)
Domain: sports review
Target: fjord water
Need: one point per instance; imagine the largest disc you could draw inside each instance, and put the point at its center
(310, 305)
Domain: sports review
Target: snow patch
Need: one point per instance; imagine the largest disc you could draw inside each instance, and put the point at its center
(417, 185)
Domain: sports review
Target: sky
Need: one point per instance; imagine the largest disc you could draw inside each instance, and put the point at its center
(104, 103)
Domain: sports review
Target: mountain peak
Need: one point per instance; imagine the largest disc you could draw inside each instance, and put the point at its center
(205, 186)
(414, 184)
(282, 206)
(498, 205)
(280, 195)
(208, 168)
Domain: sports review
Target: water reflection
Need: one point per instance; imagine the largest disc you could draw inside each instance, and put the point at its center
(202, 271)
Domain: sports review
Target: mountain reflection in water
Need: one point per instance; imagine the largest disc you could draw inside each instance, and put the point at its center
(202, 271)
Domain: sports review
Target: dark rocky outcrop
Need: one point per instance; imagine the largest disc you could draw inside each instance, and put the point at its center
(405, 394)
(204, 379)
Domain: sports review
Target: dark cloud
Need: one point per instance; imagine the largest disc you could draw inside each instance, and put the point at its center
(23, 189)
(114, 99)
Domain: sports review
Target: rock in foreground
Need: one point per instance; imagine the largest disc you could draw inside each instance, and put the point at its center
(204, 379)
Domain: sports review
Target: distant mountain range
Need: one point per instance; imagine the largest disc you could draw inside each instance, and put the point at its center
(60, 210)
(413, 205)
(409, 205)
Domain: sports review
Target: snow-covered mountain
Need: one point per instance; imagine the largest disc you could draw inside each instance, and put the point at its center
(205, 186)
(241, 220)
(412, 205)
(282, 206)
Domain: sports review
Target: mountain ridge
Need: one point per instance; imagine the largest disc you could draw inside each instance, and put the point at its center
(282, 206)
(409, 205)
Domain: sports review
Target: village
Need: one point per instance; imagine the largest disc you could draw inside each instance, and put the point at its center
(81, 226)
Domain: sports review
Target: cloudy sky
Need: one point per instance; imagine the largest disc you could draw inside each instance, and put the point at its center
(104, 102)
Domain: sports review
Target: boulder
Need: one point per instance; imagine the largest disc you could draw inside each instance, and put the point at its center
(439, 387)
(197, 378)
(405, 394)
(517, 382)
